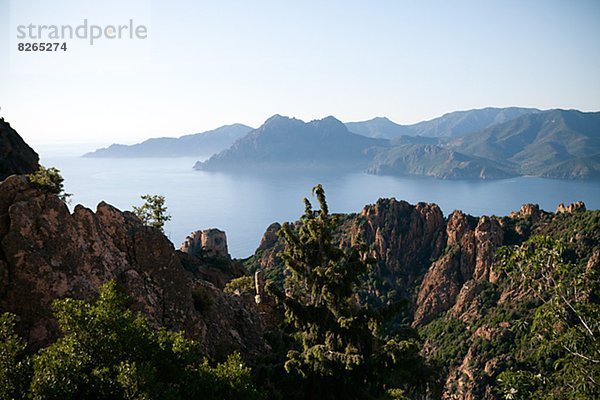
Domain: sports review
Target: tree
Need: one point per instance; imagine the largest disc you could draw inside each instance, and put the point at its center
(15, 371)
(50, 180)
(109, 352)
(339, 348)
(563, 333)
(153, 212)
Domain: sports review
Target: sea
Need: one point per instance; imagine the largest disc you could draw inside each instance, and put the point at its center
(245, 204)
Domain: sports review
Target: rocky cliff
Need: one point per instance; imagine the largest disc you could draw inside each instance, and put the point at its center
(446, 267)
(16, 157)
(47, 252)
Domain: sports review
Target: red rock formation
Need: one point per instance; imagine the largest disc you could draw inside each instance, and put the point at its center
(209, 242)
(48, 253)
(404, 237)
(571, 208)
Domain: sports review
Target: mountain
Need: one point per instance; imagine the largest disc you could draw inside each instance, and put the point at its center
(434, 161)
(292, 143)
(16, 157)
(205, 143)
(563, 144)
(453, 124)
(554, 143)
(496, 306)
(379, 127)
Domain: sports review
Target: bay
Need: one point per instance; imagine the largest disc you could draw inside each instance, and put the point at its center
(243, 205)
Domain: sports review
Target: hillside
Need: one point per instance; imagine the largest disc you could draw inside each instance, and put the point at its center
(205, 144)
(554, 143)
(479, 321)
(452, 124)
(434, 161)
(284, 142)
(563, 144)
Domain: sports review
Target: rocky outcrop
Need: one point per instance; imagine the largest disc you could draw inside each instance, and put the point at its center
(571, 208)
(47, 253)
(447, 275)
(208, 242)
(270, 237)
(404, 238)
(16, 157)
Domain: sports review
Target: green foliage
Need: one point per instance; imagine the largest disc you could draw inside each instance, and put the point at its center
(564, 331)
(519, 385)
(15, 369)
(241, 285)
(108, 352)
(451, 338)
(230, 380)
(153, 212)
(339, 348)
(50, 180)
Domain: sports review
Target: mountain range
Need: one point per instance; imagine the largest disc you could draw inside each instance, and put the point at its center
(452, 124)
(488, 143)
(198, 144)
(496, 307)
(289, 142)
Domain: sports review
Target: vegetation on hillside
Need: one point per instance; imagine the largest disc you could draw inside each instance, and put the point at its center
(50, 180)
(109, 352)
(339, 346)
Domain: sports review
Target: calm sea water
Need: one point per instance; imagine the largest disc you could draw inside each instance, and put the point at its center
(244, 205)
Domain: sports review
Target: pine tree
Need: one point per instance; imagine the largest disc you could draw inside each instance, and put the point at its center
(153, 212)
(340, 349)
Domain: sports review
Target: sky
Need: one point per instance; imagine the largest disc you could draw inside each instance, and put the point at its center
(204, 64)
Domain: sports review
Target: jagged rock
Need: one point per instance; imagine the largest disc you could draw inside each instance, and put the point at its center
(528, 211)
(488, 236)
(209, 242)
(48, 253)
(469, 255)
(571, 208)
(445, 277)
(16, 157)
(465, 308)
(404, 237)
(270, 237)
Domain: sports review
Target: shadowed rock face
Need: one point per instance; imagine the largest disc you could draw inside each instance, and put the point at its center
(16, 157)
(47, 253)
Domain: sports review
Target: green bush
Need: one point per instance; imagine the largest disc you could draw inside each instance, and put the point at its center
(108, 352)
(239, 286)
(50, 180)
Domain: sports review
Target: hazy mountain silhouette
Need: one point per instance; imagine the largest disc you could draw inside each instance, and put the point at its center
(290, 142)
(453, 124)
(205, 143)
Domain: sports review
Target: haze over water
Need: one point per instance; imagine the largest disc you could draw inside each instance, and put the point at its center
(244, 205)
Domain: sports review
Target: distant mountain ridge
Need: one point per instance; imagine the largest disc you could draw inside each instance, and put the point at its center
(488, 143)
(561, 144)
(289, 142)
(452, 124)
(198, 144)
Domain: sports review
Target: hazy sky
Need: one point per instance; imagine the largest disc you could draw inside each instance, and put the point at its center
(209, 63)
